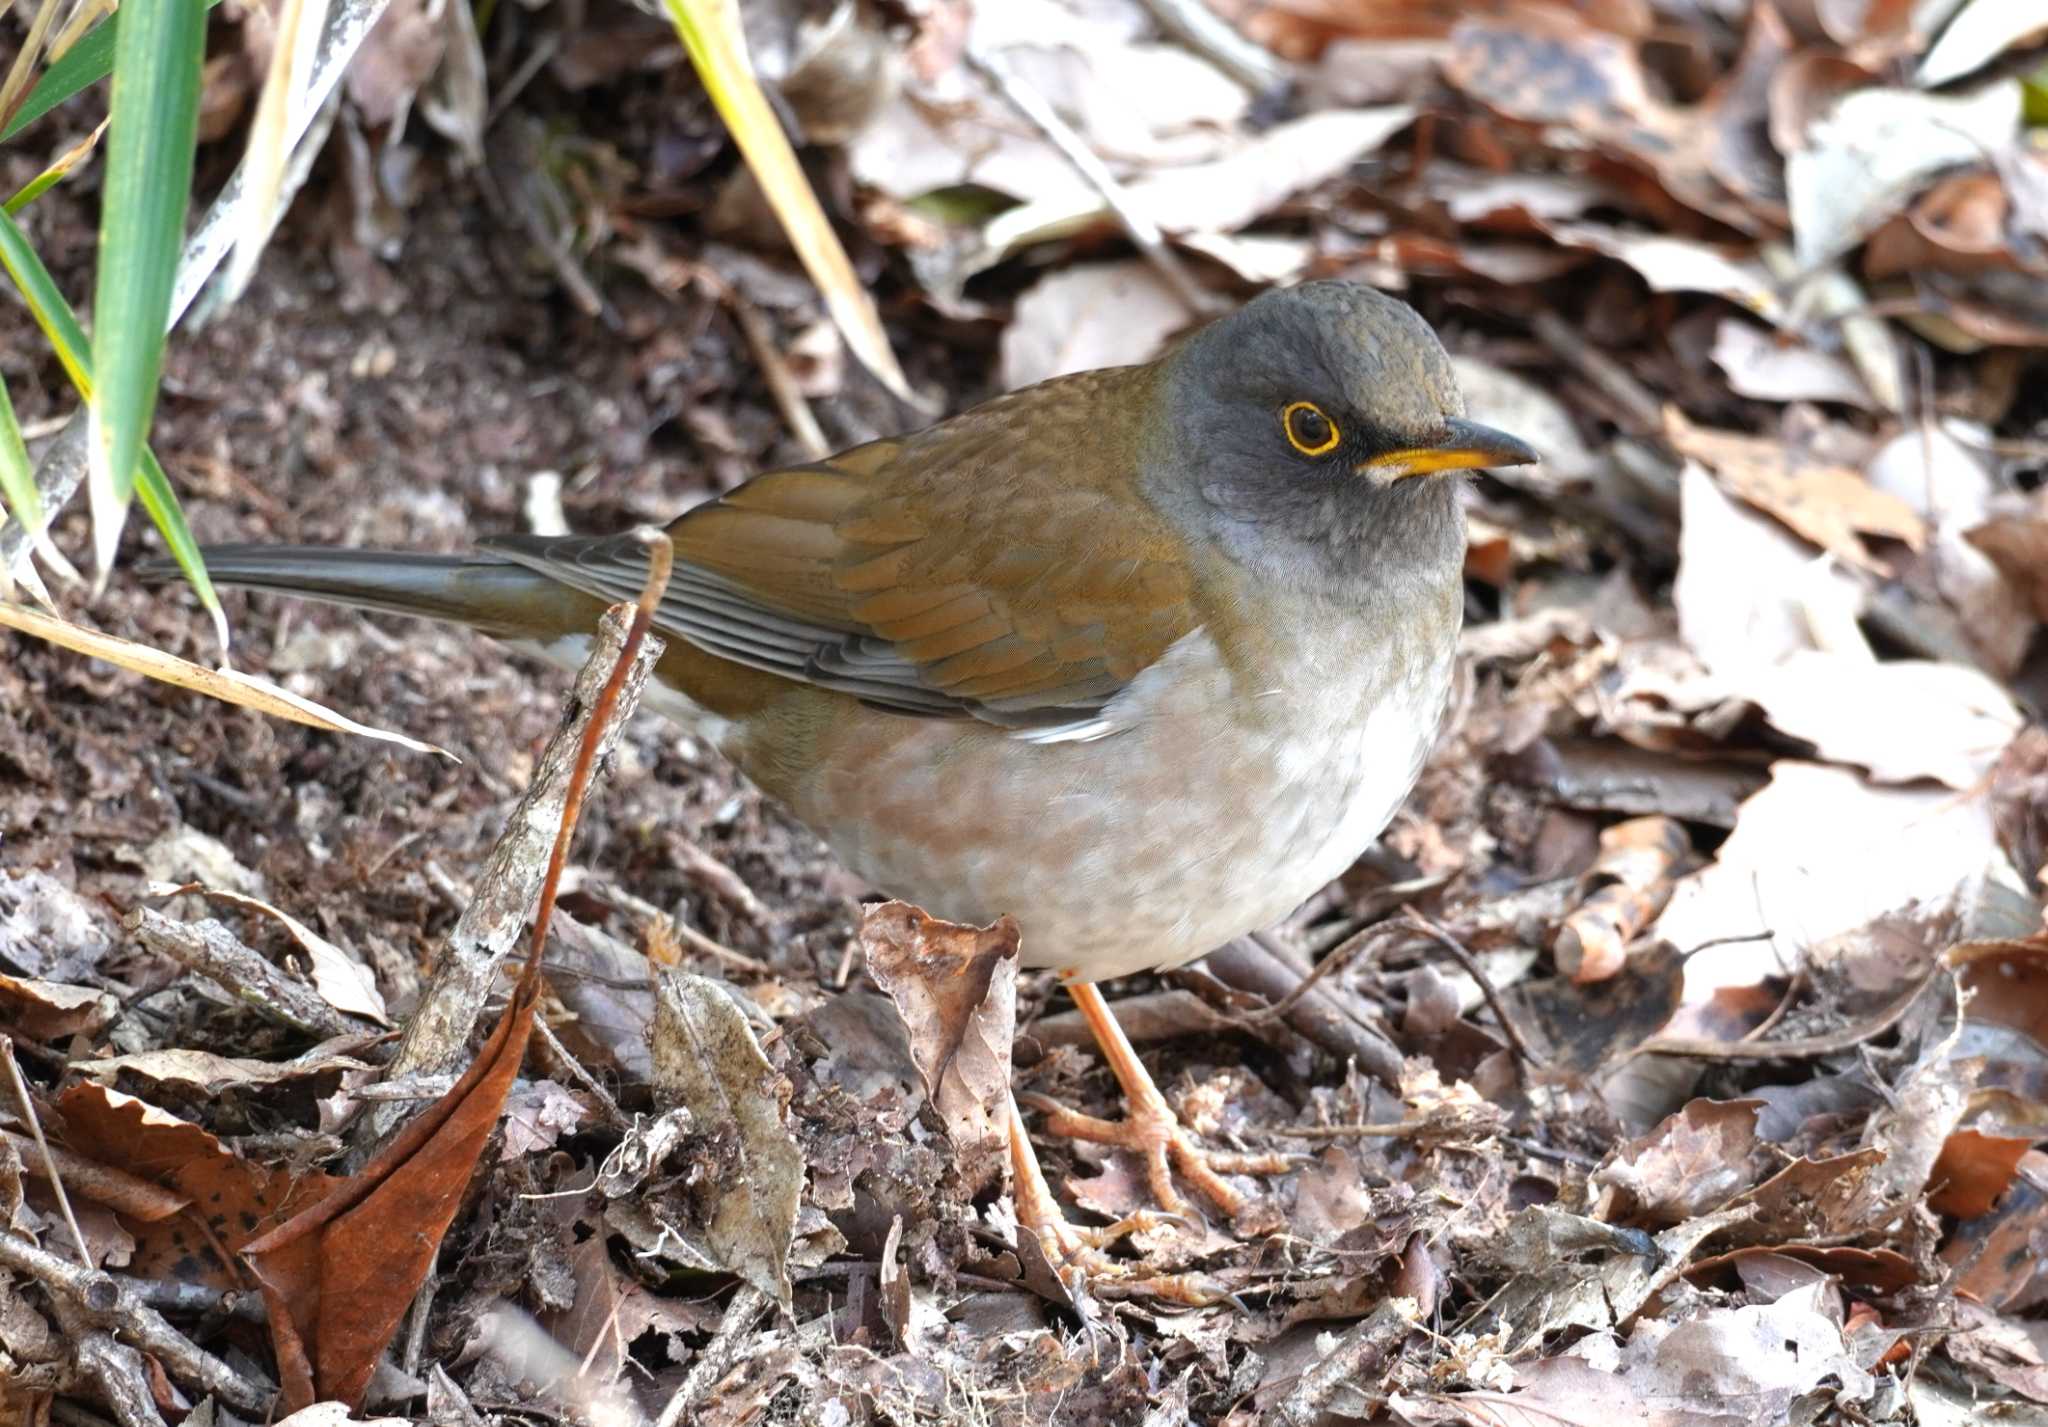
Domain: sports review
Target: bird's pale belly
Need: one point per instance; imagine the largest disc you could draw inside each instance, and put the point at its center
(1210, 812)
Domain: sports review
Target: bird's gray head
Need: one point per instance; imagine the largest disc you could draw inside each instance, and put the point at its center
(1312, 421)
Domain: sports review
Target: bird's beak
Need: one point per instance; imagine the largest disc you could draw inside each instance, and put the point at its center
(1461, 446)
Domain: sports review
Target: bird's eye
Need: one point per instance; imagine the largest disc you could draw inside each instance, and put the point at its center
(1308, 430)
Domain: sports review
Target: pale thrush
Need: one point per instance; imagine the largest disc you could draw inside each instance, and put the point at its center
(1144, 656)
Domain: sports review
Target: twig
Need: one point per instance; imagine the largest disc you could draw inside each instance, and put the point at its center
(1797, 1047)
(1644, 412)
(99, 1183)
(1486, 987)
(437, 1036)
(1216, 40)
(1138, 225)
(210, 949)
(102, 1300)
(718, 1356)
(35, 1128)
(1393, 1130)
(1152, 1016)
(1246, 965)
(796, 412)
(1348, 950)
(1362, 1349)
(581, 1076)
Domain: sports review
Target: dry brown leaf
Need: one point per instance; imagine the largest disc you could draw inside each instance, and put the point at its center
(51, 1010)
(205, 1071)
(956, 989)
(339, 1275)
(1974, 1170)
(1830, 505)
(707, 1061)
(233, 1199)
(1702, 1156)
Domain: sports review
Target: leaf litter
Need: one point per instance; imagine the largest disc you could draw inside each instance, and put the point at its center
(1690, 1015)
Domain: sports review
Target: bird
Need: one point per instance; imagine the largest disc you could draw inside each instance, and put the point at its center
(1144, 656)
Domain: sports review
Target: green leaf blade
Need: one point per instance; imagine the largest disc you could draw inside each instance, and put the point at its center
(154, 122)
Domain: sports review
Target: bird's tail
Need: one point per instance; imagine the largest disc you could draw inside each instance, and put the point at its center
(493, 595)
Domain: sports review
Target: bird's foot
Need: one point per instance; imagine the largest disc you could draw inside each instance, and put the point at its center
(1156, 1135)
(1075, 1253)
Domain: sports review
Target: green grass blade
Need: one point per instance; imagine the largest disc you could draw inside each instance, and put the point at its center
(18, 494)
(67, 339)
(84, 65)
(46, 305)
(70, 159)
(154, 117)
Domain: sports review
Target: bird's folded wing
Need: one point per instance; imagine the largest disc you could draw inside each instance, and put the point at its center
(1002, 567)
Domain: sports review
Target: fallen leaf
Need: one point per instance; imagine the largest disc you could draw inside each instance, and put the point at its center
(1980, 32)
(1902, 720)
(1822, 851)
(233, 1199)
(1827, 504)
(204, 1071)
(1697, 1160)
(339, 1275)
(707, 1061)
(1932, 470)
(956, 989)
(1758, 366)
(1223, 195)
(1087, 316)
(1875, 148)
(1669, 263)
(1749, 592)
(50, 1010)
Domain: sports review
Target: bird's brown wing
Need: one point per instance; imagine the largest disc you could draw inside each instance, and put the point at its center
(1001, 565)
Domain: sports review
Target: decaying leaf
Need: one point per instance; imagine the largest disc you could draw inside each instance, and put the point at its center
(707, 1061)
(956, 989)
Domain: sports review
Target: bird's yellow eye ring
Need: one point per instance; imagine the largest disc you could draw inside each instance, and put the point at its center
(1308, 430)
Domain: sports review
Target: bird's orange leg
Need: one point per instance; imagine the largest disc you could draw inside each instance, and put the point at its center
(1151, 1129)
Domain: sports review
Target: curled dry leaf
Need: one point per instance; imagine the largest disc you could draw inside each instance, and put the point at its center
(1624, 890)
(707, 1061)
(51, 1010)
(956, 989)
